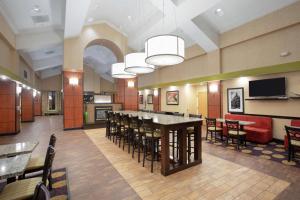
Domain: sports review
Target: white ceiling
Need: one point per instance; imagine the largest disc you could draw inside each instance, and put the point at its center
(194, 20)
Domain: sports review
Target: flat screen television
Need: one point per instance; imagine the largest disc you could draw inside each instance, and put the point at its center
(274, 87)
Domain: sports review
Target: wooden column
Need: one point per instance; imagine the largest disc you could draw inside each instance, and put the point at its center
(157, 101)
(214, 99)
(127, 96)
(73, 100)
(8, 120)
(27, 108)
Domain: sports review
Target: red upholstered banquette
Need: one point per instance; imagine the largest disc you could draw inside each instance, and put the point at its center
(294, 122)
(260, 132)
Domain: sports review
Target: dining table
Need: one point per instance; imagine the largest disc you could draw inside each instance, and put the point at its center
(14, 166)
(166, 123)
(8, 150)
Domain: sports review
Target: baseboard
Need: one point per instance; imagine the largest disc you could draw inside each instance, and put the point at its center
(70, 129)
(278, 140)
(7, 134)
(27, 121)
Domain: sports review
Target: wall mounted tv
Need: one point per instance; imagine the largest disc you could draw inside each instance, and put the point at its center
(274, 87)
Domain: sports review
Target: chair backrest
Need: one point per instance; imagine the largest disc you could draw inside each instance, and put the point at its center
(232, 125)
(52, 140)
(118, 117)
(41, 192)
(211, 122)
(48, 164)
(178, 114)
(147, 125)
(293, 133)
(195, 116)
(125, 119)
(160, 112)
(134, 122)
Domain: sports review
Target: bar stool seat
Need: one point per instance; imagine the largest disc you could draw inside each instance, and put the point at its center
(232, 132)
(23, 189)
(215, 128)
(156, 134)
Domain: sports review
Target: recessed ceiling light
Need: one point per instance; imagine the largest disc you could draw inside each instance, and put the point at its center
(219, 12)
(129, 17)
(90, 19)
(36, 9)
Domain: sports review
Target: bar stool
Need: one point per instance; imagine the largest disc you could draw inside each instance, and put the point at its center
(113, 126)
(136, 134)
(211, 128)
(151, 141)
(174, 142)
(234, 132)
(107, 123)
(125, 130)
(191, 135)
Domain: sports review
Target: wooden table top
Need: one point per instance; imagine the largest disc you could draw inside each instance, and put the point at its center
(7, 150)
(162, 118)
(13, 166)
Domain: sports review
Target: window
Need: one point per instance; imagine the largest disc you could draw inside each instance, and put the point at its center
(51, 100)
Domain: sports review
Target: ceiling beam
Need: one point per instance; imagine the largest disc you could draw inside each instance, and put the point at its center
(76, 13)
(180, 17)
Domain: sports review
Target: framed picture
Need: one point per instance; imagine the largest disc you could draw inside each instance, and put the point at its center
(141, 99)
(172, 97)
(235, 100)
(150, 99)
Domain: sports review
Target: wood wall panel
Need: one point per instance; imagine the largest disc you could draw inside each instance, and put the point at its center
(214, 101)
(157, 101)
(7, 107)
(73, 100)
(38, 105)
(131, 95)
(27, 108)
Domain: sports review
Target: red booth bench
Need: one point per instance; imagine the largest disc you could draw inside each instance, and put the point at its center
(294, 122)
(260, 132)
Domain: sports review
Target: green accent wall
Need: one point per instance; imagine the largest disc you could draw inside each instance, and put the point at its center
(12, 76)
(273, 69)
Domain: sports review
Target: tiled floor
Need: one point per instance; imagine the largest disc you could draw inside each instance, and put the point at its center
(96, 169)
(215, 178)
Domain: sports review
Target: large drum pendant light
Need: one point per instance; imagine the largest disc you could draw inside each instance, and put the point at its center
(135, 63)
(118, 71)
(164, 50)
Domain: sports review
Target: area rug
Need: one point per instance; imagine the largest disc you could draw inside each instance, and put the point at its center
(60, 189)
(272, 151)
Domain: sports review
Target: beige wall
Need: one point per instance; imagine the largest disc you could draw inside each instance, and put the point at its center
(107, 86)
(269, 107)
(91, 80)
(74, 47)
(53, 83)
(7, 33)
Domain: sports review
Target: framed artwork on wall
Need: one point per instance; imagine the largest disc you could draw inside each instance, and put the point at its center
(235, 100)
(141, 99)
(172, 97)
(150, 99)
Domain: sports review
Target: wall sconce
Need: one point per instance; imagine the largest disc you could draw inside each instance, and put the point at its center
(34, 93)
(155, 92)
(73, 81)
(213, 88)
(19, 89)
(3, 77)
(130, 84)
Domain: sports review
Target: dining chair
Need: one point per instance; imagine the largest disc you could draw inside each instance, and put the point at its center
(113, 126)
(36, 164)
(136, 134)
(151, 142)
(293, 136)
(24, 189)
(107, 123)
(41, 192)
(125, 130)
(191, 135)
(234, 132)
(212, 128)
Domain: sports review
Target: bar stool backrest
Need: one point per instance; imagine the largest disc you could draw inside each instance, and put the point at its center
(178, 114)
(293, 133)
(211, 122)
(147, 125)
(134, 122)
(48, 164)
(52, 140)
(125, 120)
(233, 125)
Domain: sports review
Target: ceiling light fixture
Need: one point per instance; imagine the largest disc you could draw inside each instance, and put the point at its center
(36, 9)
(91, 19)
(135, 63)
(164, 49)
(118, 71)
(129, 18)
(219, 12)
